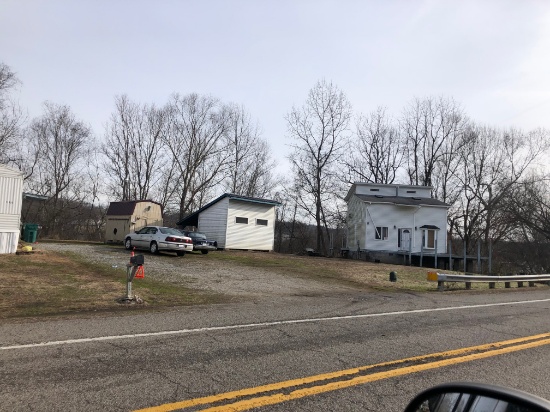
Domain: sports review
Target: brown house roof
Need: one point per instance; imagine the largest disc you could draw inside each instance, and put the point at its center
(126, 208)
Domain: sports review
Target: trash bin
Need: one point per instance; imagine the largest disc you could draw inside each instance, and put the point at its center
(30, 231)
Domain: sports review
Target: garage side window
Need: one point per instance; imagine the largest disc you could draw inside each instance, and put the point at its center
(261, 222)
(243, 220)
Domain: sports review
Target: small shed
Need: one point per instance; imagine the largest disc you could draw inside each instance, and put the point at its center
(236, 222)
(11, 197)
(129, 216)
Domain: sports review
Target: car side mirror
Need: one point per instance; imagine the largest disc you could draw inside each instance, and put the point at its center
(476, 397)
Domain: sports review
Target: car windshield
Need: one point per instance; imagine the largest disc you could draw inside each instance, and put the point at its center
(201, 236)
(169, 231)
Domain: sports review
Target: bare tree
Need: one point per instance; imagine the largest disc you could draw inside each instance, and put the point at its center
(135, 154)
(318, 130)
(11, 117)
(196, 139)
(250, 166)
(61, 145)
(529, 207)
(493, 165)
(375, 151)
(427, 126)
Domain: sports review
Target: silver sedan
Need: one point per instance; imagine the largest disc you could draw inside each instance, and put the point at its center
(158, 238)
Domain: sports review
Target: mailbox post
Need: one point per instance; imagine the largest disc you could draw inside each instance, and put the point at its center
(133, 269)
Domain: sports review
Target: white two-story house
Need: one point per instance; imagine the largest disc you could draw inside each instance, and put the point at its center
(392, 218)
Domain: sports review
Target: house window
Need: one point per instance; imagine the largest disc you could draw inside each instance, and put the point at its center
(428, 239)
(261, 222)
(243, 220)
(381, 233)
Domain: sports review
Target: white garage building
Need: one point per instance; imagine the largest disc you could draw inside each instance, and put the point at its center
(236, 222)
(11, 197)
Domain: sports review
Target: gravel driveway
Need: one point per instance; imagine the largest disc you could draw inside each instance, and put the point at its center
(197, 271)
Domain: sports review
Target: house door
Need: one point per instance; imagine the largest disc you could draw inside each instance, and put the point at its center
(405, 239)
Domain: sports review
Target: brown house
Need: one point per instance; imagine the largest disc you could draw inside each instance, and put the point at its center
(125, 217)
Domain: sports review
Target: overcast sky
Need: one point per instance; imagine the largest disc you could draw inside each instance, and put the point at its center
(493, 57)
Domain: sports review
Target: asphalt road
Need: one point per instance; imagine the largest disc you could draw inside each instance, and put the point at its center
(190, 355)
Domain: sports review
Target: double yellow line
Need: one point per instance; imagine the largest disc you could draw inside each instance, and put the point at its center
(274, 393)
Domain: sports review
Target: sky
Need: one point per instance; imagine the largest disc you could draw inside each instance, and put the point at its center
(492, 57)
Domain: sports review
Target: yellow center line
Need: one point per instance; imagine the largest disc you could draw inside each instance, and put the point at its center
(299, 393)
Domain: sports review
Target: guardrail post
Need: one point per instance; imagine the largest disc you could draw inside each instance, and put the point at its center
(440, 286)
(521, 274)
(468, 285)
(491, 285)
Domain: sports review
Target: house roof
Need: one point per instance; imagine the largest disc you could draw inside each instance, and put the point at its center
(193, 218)
(402, 200)
(126, 208)
(32, 196)
(433, 227)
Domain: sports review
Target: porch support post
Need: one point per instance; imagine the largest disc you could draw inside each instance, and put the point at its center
(450, 248)
(479, 270)
(435, 254)
(465, 261)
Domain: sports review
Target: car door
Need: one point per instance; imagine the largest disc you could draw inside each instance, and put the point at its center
(148, 237)
(137, 238)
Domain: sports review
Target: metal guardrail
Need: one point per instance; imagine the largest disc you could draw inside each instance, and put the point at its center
(441, 278)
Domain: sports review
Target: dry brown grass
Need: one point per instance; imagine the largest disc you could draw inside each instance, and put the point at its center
(366, 274)
(361, 273)
(50, 283)
(53, 283)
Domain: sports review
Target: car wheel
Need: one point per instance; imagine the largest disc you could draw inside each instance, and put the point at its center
(180, 253)
(204, 252)
(128, 243)
(154, 248)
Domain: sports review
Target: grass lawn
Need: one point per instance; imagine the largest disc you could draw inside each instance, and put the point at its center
(50, 283)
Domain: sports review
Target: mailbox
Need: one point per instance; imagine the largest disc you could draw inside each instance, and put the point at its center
(137, 260)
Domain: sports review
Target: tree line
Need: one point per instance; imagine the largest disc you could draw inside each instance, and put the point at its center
(193, 147)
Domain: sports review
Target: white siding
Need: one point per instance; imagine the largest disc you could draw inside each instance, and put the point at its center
(356, 223)
(403, 217)
(213, 222)
(393, 190)
(374, 189)
(436, 216)
(8, 242)
(11, 197)
(251, 235)
(414, 191)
